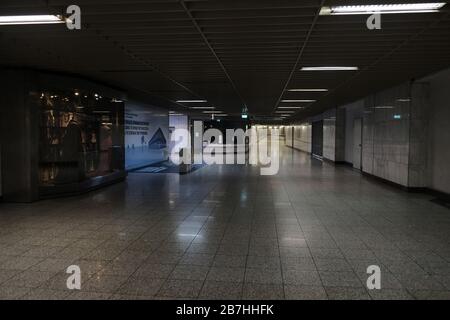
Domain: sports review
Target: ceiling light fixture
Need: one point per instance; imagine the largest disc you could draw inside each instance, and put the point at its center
(31, 19)
(298, 100)
(308, 90)
(191, 101)
(384, 107)
(330, 68)
(383, 8)
(202, 107)
(290, 107)
(214, 112)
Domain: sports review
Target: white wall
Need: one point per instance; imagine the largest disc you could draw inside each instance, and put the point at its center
(302, 137)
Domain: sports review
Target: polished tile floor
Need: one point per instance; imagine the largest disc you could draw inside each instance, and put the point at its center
(225, 232)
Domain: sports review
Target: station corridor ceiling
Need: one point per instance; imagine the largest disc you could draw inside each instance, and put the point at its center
(236, 54)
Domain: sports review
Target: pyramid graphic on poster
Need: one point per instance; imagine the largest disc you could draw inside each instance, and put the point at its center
(158, 141)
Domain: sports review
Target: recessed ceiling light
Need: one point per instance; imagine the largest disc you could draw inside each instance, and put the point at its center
(285, 111)
(383, 8)
(290, 107)
(404, 100)
(212, 111)
(191, 101)
(298, 100)
(330, 68)
(202, 107)
(308, 90)
(31, 19)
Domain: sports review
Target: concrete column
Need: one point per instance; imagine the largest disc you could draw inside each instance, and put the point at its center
(19, 135)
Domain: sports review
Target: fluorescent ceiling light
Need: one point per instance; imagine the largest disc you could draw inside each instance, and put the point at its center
(31, 19)
(300, 100)
(202, 107)
(221, 115)
(331, 68)
(191, 101)
(404, 100)
(290, 107)
(308, 90)
(212, 111)
(285, 111)
(384, 107)
(383, 8)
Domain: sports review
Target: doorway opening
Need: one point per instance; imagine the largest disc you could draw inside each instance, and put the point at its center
(357, 143)
(317, 139)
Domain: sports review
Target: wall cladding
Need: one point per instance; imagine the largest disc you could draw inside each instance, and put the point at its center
(439, 132)
(288, 136)
(394, 135)
(302, 137)
(334, 135)
(329, 135)
(352, 111)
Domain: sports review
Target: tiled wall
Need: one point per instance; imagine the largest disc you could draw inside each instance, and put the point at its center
(302, 137)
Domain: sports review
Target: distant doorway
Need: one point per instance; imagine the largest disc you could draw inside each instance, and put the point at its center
(357, 143)
(317, 139)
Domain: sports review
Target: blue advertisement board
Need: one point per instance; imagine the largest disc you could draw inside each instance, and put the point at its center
(146, 135)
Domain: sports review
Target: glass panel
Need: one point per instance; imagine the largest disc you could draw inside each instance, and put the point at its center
(81, 136)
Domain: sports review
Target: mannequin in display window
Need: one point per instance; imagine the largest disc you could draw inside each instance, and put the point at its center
(71, 153)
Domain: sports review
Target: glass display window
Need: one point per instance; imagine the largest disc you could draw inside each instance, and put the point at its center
(80, 136)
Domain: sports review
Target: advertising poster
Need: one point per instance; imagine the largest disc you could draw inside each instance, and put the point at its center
(146, 135)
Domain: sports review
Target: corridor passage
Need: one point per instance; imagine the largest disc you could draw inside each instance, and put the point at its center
(225, 232)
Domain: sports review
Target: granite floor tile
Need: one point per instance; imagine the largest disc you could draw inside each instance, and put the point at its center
(303, 292)
(220, 290)
(256, 291)
(180, 289)
(227, 274)
(189, 272)
(225, 232)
